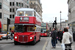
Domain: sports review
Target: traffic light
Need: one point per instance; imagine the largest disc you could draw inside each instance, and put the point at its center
(55, 22)
(53, 25)
(8, 21)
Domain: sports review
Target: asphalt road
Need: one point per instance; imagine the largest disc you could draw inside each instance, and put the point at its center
(38, 46)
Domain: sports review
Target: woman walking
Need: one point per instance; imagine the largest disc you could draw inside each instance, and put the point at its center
(66, 39)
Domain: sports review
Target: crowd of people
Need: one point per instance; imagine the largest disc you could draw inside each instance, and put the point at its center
(64, 37)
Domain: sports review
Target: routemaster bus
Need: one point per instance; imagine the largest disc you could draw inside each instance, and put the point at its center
(27, 26)
(44, 29)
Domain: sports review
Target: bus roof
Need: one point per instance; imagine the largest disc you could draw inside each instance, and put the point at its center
(25, 9)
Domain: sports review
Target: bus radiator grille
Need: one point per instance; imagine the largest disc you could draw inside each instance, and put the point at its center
(23, 38)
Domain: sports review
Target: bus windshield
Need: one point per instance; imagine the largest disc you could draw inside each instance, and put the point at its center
(31, 29)
(20, 13)
(28, 13)
(18, 28)
(43, 30)
(24, 13)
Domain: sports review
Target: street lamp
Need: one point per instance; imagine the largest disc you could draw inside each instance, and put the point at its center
(60, 20)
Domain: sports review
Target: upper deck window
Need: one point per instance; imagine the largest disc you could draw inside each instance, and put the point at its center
(29, 13)
(20, 13)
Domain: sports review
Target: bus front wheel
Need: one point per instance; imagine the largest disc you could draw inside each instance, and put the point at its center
(15, 43)
(34, 41)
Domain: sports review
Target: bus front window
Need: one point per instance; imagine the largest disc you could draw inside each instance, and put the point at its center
(18, 28)
(31, 29)
(20, 13)
(29, 13)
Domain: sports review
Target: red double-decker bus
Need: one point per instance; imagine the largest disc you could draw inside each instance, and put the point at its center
(27, 26)
(44, 29)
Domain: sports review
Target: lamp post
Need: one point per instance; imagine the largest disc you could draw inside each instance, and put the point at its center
(60, 20)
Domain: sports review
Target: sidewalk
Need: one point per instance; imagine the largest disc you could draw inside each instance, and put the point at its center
(58, 46)
(6, 41)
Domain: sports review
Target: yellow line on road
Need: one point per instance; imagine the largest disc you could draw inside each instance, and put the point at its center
(44, 46)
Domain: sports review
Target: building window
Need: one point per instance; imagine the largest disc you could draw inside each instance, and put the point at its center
(11, 16)
(13, 3)
(0, 15)
(12, 10)
(16, 3)
(19, 4)
(27, 1)
(27, 6)
(69, 10)
(22, 4)
(0, 5)
(10, 3)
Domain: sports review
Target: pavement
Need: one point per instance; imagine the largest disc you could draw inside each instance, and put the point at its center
(6, 41)
(58, 45)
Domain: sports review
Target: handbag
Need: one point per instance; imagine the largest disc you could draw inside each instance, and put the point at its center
(63, 46)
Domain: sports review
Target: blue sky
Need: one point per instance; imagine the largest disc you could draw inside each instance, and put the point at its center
(52, 8)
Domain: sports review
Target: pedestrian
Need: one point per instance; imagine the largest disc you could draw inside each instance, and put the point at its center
(10, 29)
(7, 35)
(11, 36)
(70, 31)
(60, 34)
(54, 38)
(66, 39)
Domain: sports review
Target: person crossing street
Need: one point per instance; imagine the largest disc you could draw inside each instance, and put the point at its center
(54, 38)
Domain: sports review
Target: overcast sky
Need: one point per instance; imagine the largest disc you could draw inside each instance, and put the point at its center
(52, 8)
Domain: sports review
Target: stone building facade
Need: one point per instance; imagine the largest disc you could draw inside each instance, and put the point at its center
(35, 4)
(71, 14)
(4, 13)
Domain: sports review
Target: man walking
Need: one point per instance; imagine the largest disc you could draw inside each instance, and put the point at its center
(60, 34)
(53, 40)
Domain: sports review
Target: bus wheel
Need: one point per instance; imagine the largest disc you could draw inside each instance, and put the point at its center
(15, 43)
(34, 41)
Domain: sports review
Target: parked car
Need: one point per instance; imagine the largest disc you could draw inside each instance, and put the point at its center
(4, 35)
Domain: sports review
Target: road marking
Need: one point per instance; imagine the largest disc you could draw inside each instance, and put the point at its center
(44, 45)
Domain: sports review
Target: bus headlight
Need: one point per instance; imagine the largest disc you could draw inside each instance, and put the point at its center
(30, 37)
(15, 37)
